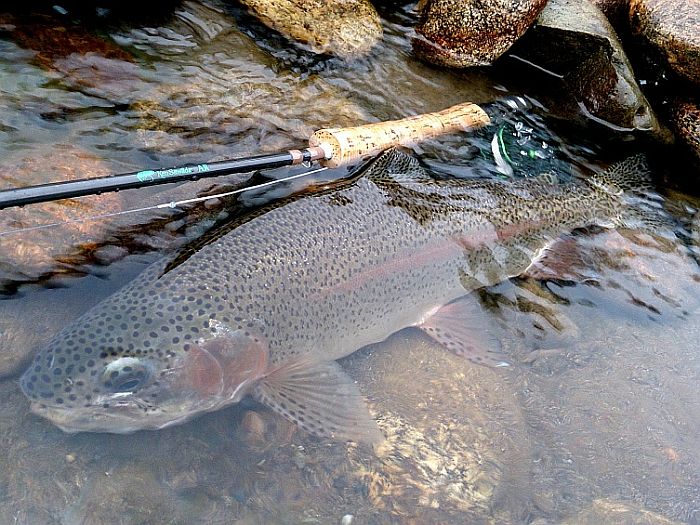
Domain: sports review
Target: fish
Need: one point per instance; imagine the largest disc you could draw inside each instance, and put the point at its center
(266, 306)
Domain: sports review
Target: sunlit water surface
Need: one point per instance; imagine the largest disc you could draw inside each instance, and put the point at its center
(596, 421)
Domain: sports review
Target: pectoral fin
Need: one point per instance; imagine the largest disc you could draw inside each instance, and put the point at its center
(464, 328)
(321, 398)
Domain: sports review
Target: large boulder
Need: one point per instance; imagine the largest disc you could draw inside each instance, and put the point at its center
(459, 33)
(573, 39)
(672, 27)
(347, 28)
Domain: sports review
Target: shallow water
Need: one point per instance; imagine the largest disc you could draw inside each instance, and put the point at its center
(597, 420)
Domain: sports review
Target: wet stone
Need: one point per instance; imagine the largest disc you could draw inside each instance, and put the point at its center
(32, 253)
(673, 29)
(53, 39)
(452, 438)
(261, 429)
(348, 29)
(574, 40)
(110, 253)
(471, 33)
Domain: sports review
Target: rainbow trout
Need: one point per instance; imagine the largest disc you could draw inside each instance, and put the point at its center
(267, 307)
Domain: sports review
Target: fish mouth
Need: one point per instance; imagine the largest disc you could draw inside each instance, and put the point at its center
(114, 420)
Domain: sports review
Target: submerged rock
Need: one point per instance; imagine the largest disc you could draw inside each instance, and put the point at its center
(574, 40)
(685, 120)
(673, 29)
(459, 33)
(229, 112)
(48, 239)
(42, 247)
(454, 439)
(347, 28)
(53, 39)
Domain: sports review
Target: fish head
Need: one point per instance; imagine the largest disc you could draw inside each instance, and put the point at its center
(121, 369)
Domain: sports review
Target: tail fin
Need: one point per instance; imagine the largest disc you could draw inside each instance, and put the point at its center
(631, 175)
(642, 208)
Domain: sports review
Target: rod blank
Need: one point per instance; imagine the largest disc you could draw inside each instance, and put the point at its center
(140, 179)
(333, 147)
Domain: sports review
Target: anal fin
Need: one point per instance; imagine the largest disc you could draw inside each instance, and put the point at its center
(321, 398)
(464, 328)
(562, 259)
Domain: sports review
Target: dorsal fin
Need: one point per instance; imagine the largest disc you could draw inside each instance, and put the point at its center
(396, 166)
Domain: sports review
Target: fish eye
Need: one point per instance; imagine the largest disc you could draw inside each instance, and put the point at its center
(125, 374)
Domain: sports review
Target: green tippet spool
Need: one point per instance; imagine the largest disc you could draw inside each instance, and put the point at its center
(520, 145)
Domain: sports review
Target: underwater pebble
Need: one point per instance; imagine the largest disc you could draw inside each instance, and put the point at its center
(253, 428)
(347, 519)
(70, 458)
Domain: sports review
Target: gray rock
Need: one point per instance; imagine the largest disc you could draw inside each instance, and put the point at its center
(673, 29)
(574, 40)
(459, 33)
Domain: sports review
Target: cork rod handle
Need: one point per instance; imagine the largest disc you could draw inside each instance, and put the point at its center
(344, 145)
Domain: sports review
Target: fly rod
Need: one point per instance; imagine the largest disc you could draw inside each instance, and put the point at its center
(332, 147)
